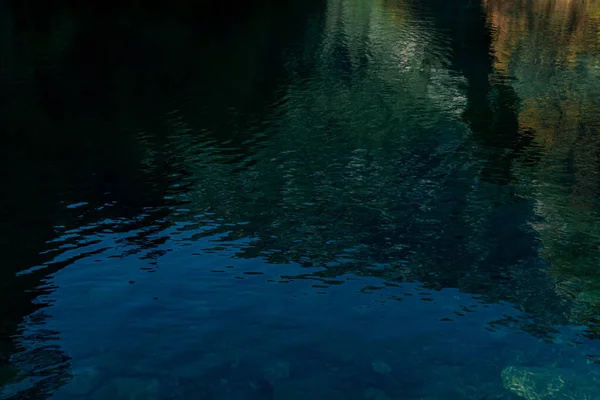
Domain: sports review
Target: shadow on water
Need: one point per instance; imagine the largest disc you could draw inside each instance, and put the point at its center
(84, 153)
(194, 193)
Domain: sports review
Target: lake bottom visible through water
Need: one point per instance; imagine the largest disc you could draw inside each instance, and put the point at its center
(282, 338)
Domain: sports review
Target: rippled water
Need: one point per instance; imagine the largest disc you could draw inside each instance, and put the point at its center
(346, 199)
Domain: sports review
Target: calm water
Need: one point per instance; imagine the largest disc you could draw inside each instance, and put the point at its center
(337, 199)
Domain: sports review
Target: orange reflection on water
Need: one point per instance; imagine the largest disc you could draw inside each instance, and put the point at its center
(550, 50)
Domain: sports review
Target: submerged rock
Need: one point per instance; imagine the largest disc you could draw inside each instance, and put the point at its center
(549, 383)
(381, 368)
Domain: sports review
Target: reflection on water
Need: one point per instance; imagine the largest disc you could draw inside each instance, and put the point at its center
(358, 199)
(557, 82)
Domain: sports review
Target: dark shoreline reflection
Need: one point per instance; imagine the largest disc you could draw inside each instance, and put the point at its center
(179, 174)
(87, 99)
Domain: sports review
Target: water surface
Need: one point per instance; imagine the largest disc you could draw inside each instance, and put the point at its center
(346, 199)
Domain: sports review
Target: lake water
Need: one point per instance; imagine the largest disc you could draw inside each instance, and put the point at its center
(337, 199)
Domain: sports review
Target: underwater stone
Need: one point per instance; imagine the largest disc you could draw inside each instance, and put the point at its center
(549, 383)
(381, 367)
(532, 383)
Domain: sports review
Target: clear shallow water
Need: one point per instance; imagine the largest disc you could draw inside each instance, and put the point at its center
(347, 199)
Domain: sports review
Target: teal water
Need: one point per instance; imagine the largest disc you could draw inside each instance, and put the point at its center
(337, 199)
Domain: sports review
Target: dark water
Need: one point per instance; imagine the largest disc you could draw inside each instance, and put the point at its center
(346, 199)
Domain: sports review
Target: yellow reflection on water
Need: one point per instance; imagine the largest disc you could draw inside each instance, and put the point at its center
(551, 51)
(552, 47)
